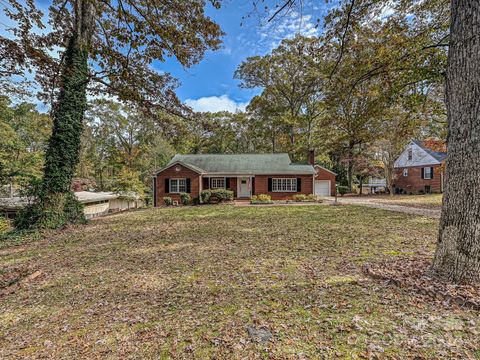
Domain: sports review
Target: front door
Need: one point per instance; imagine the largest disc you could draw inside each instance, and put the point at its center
(244, 187)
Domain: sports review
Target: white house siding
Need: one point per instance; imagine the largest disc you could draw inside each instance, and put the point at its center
(419, 157)
(95, 209)
(94, 203)
(123, 204)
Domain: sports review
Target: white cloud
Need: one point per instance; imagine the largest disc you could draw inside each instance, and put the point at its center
(215, 104)
(285, 26)
(290, 25)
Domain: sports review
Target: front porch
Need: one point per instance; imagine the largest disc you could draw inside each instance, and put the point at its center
(243, 186)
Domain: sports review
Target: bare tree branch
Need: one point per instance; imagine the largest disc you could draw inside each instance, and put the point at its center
(279, 10)
(340, 56)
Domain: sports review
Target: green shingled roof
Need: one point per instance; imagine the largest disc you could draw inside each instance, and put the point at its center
(244, 164)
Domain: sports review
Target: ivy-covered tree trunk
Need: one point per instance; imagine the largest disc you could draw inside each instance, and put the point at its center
(57, 205)
(457, 257)
(63, 151)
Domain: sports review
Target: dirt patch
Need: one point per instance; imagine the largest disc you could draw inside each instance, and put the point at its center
(11, 276)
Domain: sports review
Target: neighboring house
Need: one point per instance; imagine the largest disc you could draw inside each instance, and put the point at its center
(419, 170)
(95, 203)
(374, 186)
(244, 174)
(102, 203)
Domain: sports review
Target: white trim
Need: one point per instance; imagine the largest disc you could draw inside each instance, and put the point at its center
(405, 172)
(290, 180)
(417, 166)
(216, 178)
(430, 171)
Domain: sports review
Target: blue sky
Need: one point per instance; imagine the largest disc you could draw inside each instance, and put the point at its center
(209, 85)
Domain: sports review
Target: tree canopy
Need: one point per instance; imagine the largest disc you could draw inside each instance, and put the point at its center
(127, 39)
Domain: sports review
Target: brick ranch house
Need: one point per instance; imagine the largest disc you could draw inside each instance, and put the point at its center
(244, 174)
(419, 170)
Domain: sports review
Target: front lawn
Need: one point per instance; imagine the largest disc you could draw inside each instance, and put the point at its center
(428, 201)
(197, 282)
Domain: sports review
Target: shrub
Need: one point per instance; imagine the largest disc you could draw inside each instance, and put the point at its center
(303, 197)
(342, 190)
(299, 197)
(73, 210)
(219, 194)
(27, 216)
(223, 194)
(264, 197)
(168, 201)
(261, 199)
(185, 198)
(4, 225)
(205, 196)
(50, 211)
(196, 201)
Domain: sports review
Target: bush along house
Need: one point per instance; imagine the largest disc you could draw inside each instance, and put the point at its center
(419, 170)
(244, 174)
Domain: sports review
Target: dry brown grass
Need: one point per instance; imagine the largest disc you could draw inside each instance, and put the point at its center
(187, 282)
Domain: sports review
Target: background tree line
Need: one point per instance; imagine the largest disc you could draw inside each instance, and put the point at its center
(356, 119)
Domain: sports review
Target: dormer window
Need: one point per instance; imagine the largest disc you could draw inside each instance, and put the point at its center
(410, 154)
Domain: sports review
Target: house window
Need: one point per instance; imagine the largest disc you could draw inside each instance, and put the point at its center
(178, 186)
(284, 185)
(217, 183)
(405, 172)
(410, 154)
(427, 173)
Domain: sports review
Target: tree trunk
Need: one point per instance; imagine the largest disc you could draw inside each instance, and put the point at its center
(389, 176)
(457, 257)
(350, 167)
(63, 152)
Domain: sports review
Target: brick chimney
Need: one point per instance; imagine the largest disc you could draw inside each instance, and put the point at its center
(311, 157)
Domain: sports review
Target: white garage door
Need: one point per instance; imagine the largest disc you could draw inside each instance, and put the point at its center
(322, 187)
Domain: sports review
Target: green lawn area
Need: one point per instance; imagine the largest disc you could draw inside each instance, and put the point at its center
(187, 282)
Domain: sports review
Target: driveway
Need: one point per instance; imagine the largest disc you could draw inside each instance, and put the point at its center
(374, 203)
